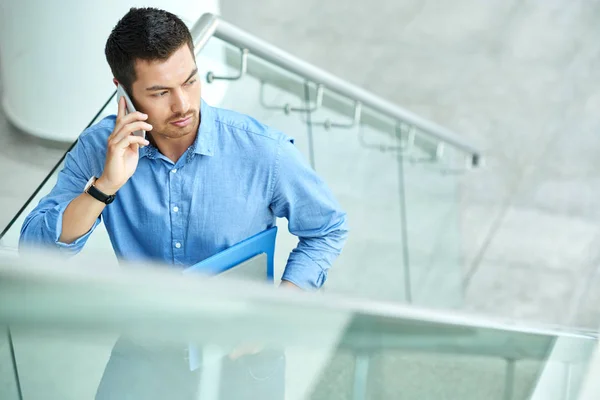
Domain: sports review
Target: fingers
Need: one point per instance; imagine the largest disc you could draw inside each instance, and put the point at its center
(128, 129)
(121, 108)
(128, 119)
(128, 141)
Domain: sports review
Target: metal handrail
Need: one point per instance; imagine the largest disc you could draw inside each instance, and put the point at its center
(210, 25)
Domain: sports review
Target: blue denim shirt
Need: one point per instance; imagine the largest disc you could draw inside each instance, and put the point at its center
(237, 177)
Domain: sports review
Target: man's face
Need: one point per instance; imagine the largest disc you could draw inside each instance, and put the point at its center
(169, 92)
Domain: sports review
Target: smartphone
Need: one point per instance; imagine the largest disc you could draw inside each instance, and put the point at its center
(128, 107)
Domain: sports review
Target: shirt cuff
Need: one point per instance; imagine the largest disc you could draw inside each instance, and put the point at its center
(54, 218)
(303, 272)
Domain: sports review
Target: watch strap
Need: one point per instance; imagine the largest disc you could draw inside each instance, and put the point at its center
(100, 196)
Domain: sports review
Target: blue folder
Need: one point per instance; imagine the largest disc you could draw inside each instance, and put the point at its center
(263, 242)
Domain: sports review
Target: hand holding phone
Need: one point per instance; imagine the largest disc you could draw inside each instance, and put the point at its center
(122, 151)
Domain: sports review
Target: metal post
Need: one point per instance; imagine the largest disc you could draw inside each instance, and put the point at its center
(568, 382)
(210, 375)
(311, 144)
(404, 228)
(14, 363)
(509, 379)
(361, 376)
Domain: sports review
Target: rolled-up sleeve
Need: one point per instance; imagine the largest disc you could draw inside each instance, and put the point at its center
(43, 226)
(313, 215)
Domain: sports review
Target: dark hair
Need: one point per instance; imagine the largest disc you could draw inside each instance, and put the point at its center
(147, 34)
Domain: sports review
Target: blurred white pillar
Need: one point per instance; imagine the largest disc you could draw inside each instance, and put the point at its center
(54, 73)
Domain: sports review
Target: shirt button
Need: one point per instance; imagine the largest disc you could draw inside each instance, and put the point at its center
(178, 245)
(174, 170)
(175, 209)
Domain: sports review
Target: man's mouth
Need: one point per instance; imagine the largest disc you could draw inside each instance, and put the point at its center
(183, 122)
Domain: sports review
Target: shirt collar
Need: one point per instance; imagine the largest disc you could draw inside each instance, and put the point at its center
(205, 138)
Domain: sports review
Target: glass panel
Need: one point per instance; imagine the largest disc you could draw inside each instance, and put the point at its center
(400, 199)
(70, 365)
(65, 322)
(589, 386)
(432, 224)
(98, 243)
(564, 380)
(360, 164)
(60, 364)
(422, 375)
(262, 94)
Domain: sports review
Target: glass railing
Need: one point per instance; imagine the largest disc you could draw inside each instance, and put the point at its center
(589, 389)
(366, 182)
(432, 225)
(65, 318)
(385, 166)
(99, 242)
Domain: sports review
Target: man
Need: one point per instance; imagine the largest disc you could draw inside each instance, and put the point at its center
(205, 179)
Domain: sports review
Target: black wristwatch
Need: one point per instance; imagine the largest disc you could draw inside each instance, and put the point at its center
(97, 194)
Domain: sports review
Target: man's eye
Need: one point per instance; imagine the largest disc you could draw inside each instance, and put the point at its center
(191, 82)
(160, 94)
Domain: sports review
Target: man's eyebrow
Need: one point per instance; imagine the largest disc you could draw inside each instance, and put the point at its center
(158, 87)
(194, 72)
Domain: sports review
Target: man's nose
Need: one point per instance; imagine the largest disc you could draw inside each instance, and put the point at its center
(181, 104)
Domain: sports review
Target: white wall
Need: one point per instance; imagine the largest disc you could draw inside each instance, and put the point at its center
(52, 59)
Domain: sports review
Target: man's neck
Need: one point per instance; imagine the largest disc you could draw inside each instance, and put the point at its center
(173, 149)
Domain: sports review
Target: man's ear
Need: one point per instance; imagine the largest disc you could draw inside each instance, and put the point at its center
(115, 81)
